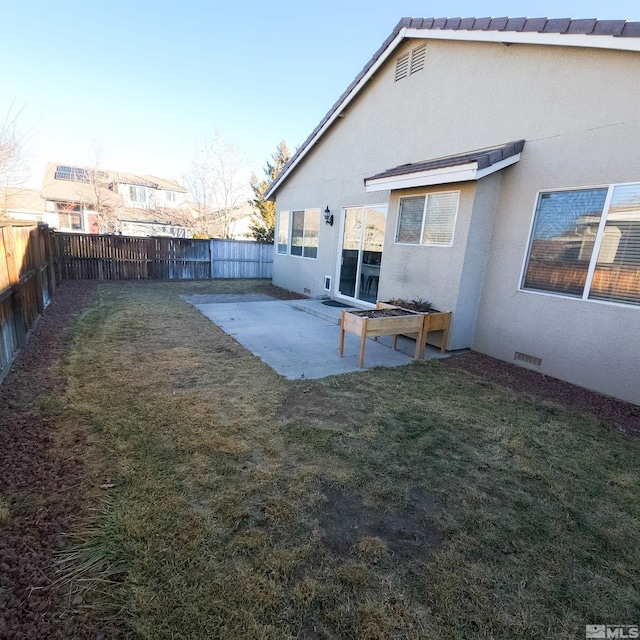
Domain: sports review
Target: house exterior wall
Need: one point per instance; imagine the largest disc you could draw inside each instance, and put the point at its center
(431, 273)
(577, 109)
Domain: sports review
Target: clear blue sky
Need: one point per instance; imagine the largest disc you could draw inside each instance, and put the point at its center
(148, 79)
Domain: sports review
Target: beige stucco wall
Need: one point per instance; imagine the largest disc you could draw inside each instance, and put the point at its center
(579, 112)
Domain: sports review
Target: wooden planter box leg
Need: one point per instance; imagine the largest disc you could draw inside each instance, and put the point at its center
(363, 342)
(439, 322)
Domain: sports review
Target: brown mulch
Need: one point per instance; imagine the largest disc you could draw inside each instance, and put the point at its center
(283, 294)
(42, 473)
(611, 411)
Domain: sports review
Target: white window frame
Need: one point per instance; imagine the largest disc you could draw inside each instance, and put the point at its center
(424, 219)
(137, 190)
(290, 243)
(287, 243)
(594, 254)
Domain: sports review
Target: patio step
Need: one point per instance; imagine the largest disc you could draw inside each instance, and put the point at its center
(316, 308)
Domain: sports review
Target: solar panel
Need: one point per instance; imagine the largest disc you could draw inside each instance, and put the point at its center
(73, 174)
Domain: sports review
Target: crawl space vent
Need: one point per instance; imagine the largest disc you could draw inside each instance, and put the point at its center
(527, 359)
(327, 283)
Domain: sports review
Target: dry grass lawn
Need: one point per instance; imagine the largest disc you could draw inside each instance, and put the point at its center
(414, 502)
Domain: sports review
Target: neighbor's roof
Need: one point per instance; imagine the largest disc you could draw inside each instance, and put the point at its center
(76, 190)
(159, 215)
(591, 32)
(471, 165)
(22, 200)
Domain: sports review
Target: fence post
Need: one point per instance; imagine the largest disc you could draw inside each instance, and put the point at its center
(211, 259)
(52, 255)
(152, 260)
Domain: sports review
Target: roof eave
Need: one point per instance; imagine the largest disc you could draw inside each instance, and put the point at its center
(530, 37)
(404, 29)
(446, 175)
(396, 37)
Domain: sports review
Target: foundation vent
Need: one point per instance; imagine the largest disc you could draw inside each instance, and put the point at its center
(527, 359)
(327, 283)
(307, 291)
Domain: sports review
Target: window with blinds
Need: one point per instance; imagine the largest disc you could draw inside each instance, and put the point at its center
(304, 233)
(616, 277)
(428, 219)
(564, 234)
(283, 231)
(585, 243)
(440, 217)
(297, 233)
(410, 220)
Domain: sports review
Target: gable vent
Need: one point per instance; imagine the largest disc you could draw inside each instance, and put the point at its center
(402, 67)
(526, 358)
(417, 58)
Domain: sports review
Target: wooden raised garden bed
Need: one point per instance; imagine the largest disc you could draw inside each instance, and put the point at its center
(387, 320)
(433, 321)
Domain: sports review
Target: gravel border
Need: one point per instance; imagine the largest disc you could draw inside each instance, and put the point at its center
(615, 413)
(41, 477)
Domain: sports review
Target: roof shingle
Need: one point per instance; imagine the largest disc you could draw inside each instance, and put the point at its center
(483, 157)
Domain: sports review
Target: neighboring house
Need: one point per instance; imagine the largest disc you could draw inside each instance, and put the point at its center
(22, 204)
(233, 224)
(82, 199)
(491, 166)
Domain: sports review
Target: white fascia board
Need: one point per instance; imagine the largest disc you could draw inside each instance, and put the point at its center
(338, 112)
(460, 173)
(497, 166)
(529, 37)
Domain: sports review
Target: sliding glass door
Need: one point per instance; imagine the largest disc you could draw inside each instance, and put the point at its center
(361, 252)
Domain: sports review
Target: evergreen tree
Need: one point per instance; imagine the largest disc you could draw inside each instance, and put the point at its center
(263, 225)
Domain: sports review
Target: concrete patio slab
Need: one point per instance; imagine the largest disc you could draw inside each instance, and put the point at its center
(292, 341)
(200, 298)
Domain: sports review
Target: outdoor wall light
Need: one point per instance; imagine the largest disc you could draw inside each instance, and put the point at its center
(328, 217)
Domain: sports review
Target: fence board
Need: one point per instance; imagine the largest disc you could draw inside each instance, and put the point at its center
(27, 279)
(160, 258)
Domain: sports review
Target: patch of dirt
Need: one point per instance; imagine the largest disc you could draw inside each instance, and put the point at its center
(344, 520)
(282, 294)
(41, 474)
(319, 407)
(617, 413)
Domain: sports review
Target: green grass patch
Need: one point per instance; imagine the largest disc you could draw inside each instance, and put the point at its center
(413, 502)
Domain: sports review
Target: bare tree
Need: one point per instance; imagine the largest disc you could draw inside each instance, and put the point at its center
(217, 183)
(101, 194)
(13, 158)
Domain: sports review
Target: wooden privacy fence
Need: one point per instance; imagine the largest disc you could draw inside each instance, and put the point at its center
(81, 256)
(27, 280)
